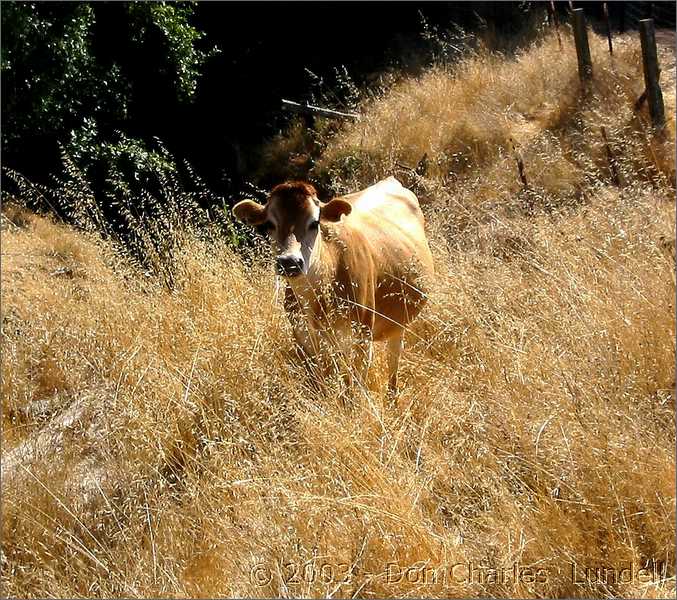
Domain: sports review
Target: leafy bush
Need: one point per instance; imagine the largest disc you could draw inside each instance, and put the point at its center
(180, 38)
(66, 82)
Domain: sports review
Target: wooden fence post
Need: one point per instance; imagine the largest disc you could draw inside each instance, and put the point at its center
(582, 46)
(307, 109)
(552, 14)
(605, 8)
(652, 72)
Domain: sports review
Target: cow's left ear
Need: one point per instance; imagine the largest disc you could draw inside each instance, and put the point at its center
(332, 210)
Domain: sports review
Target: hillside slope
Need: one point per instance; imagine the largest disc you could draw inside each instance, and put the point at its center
(168, 444)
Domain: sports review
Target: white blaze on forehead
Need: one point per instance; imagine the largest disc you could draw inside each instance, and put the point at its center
(309, 237)
(315, 211)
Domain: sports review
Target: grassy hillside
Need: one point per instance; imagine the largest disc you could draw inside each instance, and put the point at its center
(163, 443)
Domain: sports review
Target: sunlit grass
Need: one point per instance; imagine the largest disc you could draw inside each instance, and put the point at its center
(167, 443)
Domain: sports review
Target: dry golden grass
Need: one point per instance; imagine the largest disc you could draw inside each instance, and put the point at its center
(167, 444)
(465, 118)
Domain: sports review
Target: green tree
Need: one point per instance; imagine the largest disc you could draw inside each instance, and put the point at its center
(71, 71)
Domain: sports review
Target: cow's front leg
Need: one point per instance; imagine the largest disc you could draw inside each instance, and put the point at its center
(362, 356)
(308, 343)
(395, 345)
(349, 356)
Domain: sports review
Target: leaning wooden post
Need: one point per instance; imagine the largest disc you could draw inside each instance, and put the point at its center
(605, 8)
(582, 47)
(652, 73)
(552, 13)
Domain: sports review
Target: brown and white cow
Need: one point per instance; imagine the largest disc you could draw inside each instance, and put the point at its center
(356, 267)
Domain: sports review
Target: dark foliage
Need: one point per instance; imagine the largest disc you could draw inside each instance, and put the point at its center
(74, 73)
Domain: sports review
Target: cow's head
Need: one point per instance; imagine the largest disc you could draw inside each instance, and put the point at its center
(292, 218)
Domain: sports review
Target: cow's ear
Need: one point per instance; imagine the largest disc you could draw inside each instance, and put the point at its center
(250, 212)
(332, 210)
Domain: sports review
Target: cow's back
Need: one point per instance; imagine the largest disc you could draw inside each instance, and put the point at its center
(387, 249)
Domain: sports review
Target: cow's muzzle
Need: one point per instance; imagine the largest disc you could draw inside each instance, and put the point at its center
(289, 265)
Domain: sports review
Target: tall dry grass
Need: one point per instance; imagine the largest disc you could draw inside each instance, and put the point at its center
(466, 116)
(163, 443)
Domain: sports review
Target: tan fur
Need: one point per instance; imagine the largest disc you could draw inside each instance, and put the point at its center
(367, 275)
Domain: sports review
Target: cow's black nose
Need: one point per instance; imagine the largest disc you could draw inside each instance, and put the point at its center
(289, 265)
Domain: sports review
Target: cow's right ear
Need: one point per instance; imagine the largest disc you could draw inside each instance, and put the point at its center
(333, 210)
(250, 212)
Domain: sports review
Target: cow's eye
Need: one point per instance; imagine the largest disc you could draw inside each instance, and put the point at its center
(314, 225)
(269, 226)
